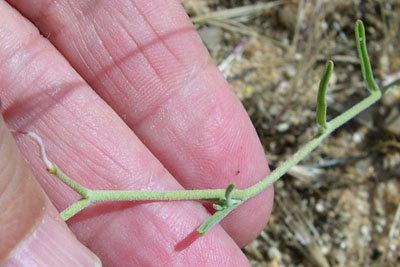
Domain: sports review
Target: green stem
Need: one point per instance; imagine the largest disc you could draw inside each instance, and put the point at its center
(68, 181)
(117, 195)
(74, 208)
(91, 196)
(214, 194)
(229, 199)
(306, 149)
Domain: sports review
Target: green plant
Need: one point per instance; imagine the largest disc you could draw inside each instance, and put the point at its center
(228, 199)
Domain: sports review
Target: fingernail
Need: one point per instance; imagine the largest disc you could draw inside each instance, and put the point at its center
(51, 244)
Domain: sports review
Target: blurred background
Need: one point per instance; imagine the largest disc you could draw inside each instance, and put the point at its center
(340, 206)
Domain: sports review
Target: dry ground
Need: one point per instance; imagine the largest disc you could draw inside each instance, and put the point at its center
(340, 207)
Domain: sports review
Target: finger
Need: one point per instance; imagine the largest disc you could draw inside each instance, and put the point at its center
(146, 60)
(88, 141)
(31, 231)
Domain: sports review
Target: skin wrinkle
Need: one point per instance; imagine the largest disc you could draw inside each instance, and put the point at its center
(103, 153)
(165, 239)
(25, 237)
(37, 78)
(84, 9)
(57, 187)
(143, 53)
(146, 213)
(117, 64)
(197, 161)
(225, 150)
(126, 77)
(61, 104)
(10, 58)
(71, 147)
(70, 26)
(104, 71)
(28, 116)
(151, 218)
(3, 170)
(62, 26)
(90, 69)
(157, 210)
(84, 164)
(84, 61)
(79, 16)
(3, 150)
(45, 14)
(101, 222)
(15, 48)
(107, 182)
(143, 119)
(155, 33)
(159, 215)
(184, 146)
(140, 49)
(34, 79)
(145, 46)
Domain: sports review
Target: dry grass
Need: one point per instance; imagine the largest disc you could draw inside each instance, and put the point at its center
(341, 206)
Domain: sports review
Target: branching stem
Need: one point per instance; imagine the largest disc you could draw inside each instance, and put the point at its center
(311, 145)
(228, 199)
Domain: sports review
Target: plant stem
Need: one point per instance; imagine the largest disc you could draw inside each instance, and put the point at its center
(311, 145)
(68, 181)
(74, 208)
(119, 195)
(214, 194)
(229, 199)
(91, 196)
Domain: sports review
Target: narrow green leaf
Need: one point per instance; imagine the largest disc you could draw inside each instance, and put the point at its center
(321, 101)
(215, 218)
(229, 190)
(217, 207)
(364, 59)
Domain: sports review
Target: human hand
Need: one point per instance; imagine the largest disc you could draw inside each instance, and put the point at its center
(141, 108)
